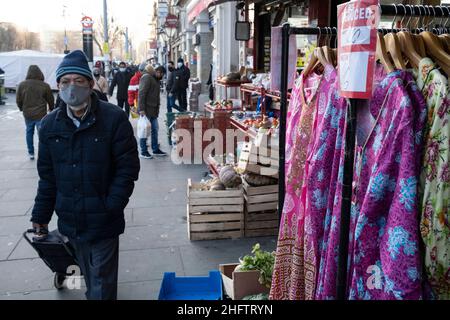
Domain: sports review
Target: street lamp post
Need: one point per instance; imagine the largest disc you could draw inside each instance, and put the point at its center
(106, 38)
(66, 51)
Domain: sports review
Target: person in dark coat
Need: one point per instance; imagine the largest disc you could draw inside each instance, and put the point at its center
(88, 163)
(170, 89)
(122, 80)
(34, 98)
(148, 105)
(181, 83)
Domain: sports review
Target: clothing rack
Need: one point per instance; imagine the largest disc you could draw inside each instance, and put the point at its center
(350, 135)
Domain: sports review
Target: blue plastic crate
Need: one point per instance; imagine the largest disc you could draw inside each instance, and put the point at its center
(191, 288)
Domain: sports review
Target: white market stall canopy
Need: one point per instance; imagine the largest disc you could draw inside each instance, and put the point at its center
(16, 63)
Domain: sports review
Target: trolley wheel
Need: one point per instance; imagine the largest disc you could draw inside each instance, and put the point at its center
(58, 280)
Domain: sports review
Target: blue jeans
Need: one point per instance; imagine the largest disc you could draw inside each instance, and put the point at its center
(30, 124)
(154, 134)
(171, 103)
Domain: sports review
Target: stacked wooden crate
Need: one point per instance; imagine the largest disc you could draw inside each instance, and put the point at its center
(260, 160)
(215, 214)
(261, 210)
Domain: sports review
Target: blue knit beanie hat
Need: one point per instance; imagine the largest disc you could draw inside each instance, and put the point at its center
(75, 62)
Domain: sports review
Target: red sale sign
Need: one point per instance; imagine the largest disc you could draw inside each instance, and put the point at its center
(357, 43)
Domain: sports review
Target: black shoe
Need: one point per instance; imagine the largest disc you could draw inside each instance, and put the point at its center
(146, 155)
(159, 153)
(31, 155)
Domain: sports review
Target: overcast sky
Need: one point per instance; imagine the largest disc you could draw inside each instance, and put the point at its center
(41, 15)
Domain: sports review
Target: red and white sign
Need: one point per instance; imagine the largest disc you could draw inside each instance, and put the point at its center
(87, 24)
(357, 43)
(171, 21)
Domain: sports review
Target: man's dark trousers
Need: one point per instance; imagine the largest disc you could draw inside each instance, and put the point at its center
(99, 263)
(182, 99)
(124, 103)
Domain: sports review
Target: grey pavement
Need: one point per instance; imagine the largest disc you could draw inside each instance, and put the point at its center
(155, 240)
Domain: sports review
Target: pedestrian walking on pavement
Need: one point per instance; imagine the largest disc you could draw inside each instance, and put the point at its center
(148, 105)
(34, 98)
(88, 163)
(122, 80)
(170, 88)
(101, 86)
(181, 83)
(133, 88)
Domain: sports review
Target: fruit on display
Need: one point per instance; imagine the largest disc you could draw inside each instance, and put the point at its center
(223, 105)
(261, 122)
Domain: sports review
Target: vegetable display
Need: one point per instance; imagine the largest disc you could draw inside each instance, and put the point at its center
(262, 261)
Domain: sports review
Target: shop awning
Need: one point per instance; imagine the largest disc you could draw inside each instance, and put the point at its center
(202, 5)
(198, 7)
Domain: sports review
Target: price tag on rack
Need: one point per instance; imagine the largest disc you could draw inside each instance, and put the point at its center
(357, 43)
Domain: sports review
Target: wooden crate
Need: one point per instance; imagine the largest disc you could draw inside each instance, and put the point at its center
(260, 210)
(215, 214)
(262, 161)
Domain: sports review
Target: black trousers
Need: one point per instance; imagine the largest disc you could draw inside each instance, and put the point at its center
(99, 262)
(124, 102)
(182, 99)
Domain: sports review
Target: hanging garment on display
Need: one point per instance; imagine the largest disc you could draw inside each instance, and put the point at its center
(321, 171)
(384, 240)
(333, 170)
(288, 277)
(435, 179)
(381, 135)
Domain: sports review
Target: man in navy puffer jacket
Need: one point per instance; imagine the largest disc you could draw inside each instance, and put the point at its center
(87, 163)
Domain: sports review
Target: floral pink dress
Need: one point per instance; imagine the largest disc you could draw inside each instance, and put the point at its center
(288, 279)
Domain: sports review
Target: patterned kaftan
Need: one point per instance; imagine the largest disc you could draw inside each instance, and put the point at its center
(435, 179)
(288, 275)
(383, 243)
(321, 173)
(384, 257)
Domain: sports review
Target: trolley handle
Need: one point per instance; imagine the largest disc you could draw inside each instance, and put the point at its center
(40, 234)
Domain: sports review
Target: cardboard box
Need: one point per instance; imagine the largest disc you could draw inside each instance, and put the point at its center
(240, 284)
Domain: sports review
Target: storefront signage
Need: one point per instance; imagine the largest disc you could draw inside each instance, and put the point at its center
(357, 42)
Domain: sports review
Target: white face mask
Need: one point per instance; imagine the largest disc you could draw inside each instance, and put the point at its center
(122, 69)
(179, 64)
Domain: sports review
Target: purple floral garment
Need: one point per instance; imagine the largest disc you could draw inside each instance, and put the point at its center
(322, 170)
(384, 260)
(384, 256)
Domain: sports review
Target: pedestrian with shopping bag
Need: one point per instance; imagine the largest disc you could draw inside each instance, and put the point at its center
(34, 98)
(148, 106)
(88, 163)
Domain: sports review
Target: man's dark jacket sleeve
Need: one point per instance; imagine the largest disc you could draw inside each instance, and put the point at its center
(125, 159)
(44, 203)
